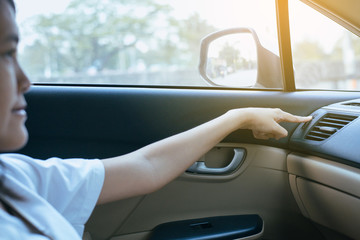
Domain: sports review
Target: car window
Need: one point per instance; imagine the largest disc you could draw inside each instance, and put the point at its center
(325, 54)
(145, 42)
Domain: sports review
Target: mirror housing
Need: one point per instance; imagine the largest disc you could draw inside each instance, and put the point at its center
(268, 64)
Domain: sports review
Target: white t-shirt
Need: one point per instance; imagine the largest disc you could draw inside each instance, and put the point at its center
(58, 196)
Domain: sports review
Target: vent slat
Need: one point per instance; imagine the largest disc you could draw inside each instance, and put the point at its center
(328, 125)
(337, 120)
(354, 104)
(336, 125)
(315, 138)
(318, 133)
(338, 117)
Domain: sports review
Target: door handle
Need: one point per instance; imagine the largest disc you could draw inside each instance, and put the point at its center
(201, 168)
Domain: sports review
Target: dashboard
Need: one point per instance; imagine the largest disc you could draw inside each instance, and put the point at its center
(334, 133)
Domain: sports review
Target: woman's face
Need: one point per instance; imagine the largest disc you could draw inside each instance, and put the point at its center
(13, 84)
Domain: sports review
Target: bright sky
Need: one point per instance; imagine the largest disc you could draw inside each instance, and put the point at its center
(313, 27)
(234, 13)
(236, 10)
(27, 8)
(258, 14)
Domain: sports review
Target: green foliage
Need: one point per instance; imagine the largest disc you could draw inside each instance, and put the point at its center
(190, 33)
(112, 35)
(308, 50)
(313, 51)
(356, 45)
(230, 54)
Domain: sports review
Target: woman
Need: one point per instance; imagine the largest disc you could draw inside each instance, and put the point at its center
(53, 199)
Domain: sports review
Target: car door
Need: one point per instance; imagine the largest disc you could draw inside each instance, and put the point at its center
(301, 188)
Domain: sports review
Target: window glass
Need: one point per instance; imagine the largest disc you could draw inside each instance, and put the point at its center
(143, 42)
(325, 54)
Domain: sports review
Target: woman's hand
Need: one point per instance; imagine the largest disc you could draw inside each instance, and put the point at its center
(264, 122)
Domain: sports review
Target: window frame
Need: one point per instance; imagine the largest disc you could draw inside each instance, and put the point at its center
(286, 63)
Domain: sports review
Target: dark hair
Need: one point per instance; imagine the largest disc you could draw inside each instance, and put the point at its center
(12, 4)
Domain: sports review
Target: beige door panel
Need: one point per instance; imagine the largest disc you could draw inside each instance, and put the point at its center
(327, 192)
(106, 218)
(259, 186)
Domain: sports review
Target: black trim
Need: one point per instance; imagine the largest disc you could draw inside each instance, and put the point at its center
(70, 121)
(221, 228)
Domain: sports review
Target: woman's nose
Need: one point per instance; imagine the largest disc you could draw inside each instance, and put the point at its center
(23, 81)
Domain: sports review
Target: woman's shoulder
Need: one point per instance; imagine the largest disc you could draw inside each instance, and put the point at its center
(14, 157)
(20, 168)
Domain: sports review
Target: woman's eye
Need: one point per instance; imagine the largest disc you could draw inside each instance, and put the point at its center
(10, 54)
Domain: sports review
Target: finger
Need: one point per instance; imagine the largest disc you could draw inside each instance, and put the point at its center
(280, 132)
(266, 136)
(276, 132)
(262, 136)
(287, 117)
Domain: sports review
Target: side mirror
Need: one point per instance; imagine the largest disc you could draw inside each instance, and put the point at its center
(235, 58)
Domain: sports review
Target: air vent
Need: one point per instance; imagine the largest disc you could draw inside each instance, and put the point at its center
(353, 104)
(328, 125)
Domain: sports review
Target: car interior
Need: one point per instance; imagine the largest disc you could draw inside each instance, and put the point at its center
(303, 186)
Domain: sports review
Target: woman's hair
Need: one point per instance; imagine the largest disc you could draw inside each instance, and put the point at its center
(12, 4)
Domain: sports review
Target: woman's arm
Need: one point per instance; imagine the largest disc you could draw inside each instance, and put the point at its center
(155, 165)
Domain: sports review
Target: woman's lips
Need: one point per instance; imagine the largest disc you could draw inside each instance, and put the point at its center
(20, 111)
